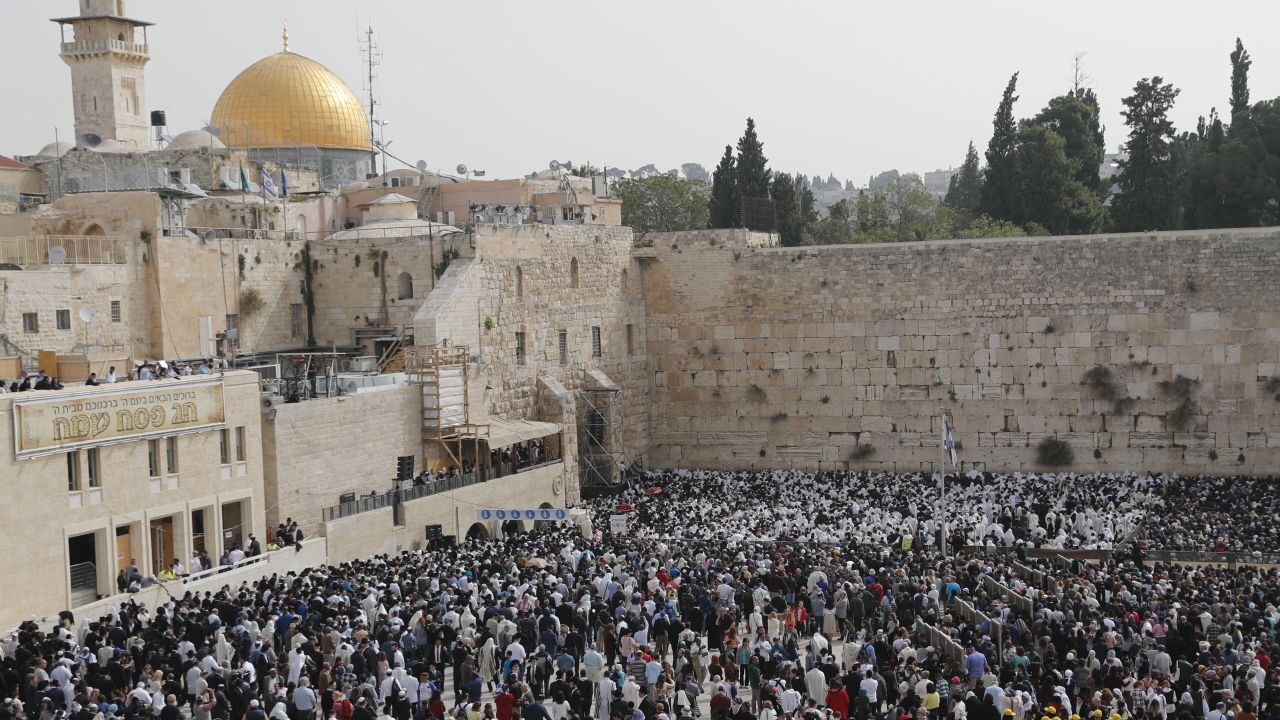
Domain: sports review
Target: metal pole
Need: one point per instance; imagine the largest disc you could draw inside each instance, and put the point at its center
(942, 488)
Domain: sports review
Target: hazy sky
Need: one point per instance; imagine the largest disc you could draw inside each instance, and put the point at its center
(845, 87)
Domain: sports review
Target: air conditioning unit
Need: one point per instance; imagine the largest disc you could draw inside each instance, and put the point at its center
(271, 401)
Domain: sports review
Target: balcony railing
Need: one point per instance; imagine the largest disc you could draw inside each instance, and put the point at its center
(96, 46)
(375, 501)
(35, 250)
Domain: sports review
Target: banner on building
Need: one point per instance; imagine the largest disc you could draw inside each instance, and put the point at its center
(531, 514)
(137, 410)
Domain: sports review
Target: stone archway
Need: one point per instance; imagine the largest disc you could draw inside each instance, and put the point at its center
(94, 230)
(477, 531)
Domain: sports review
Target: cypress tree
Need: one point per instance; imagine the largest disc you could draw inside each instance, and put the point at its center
(1240, 63)
(966, 186)
(1149, 176)
(1001, 182)
(752, 167)
(725, 211)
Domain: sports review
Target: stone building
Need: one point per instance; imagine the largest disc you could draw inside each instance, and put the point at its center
(137, 472)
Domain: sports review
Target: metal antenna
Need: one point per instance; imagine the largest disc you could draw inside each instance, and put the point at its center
(372, 59)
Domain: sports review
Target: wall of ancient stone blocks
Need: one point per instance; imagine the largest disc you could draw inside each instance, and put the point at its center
(845, 356)
(315, 451)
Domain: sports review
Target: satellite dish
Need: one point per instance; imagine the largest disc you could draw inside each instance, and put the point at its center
(57, 255)
(90, 140)
(421, 165)
(554, 165)
(87, 315)
(208, 236)
(462, 169)
(231, 334)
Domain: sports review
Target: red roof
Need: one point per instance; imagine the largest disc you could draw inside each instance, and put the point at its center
(10, 163)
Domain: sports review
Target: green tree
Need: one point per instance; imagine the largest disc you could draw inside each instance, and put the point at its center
(752, 166)
(910, 209)
(725, 210)
(1232, 177)
(786, 205)
(663, 203)
(985, 227)
(871, 213)
(695, 171)
(1001, 182)
(965, 191)
(1048, 192)
(1240, 63)
(1148, 178)
(1075, 117)
(837, 227)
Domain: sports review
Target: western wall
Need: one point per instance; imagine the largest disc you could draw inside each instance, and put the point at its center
(845, 356)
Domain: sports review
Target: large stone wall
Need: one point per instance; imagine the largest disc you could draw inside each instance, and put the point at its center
(832, 357)
(478, 305)
(316, 450)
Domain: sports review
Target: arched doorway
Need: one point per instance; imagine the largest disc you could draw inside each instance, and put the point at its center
(477, 531)
(300, 226)
(511, 528)
(95, 230)
(404, 282)
(540, 524)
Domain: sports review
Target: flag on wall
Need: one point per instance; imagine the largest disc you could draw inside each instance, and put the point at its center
(949, 442)
(268, 187)
(284, 184)
(244, 180)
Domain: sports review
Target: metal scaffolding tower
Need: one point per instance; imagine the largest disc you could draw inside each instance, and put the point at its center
(603, 459)
(442, 375)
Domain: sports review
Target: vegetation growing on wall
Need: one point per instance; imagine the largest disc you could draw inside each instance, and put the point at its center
(1052, 452)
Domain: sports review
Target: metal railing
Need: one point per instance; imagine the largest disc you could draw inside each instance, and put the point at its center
(978, 619)
(35, 250)
(940, 640)
(375, 501)
(996, 589)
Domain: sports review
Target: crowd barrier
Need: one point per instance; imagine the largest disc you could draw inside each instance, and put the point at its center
(995, 589)
(939, 640)
(975, 617)
(286, 560)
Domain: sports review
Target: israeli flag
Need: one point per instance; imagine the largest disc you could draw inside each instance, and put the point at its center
(268, 185)
(949, 442)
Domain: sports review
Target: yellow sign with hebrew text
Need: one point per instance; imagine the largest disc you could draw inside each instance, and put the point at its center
(61, 421)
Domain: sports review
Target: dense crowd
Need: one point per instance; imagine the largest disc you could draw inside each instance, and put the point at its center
(745, 597)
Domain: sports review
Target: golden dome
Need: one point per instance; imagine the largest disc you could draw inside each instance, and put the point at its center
(288, 99)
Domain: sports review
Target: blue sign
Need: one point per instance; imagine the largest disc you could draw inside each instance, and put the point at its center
(531, 514)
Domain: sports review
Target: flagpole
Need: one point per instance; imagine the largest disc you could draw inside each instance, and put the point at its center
(942, 487)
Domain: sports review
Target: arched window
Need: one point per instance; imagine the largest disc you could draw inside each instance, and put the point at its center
(405, 282)
(624, 281)
(573, 273)
(519, 282)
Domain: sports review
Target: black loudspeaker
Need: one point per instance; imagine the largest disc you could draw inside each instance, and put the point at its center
(434, 532)
(404, 467)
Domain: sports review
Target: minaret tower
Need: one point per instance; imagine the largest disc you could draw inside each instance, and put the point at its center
(107, 55)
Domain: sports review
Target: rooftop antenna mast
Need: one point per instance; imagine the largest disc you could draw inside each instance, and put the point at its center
(372, 59)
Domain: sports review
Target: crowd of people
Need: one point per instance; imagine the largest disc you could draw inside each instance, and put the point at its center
(731, 595)
(158, 370)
